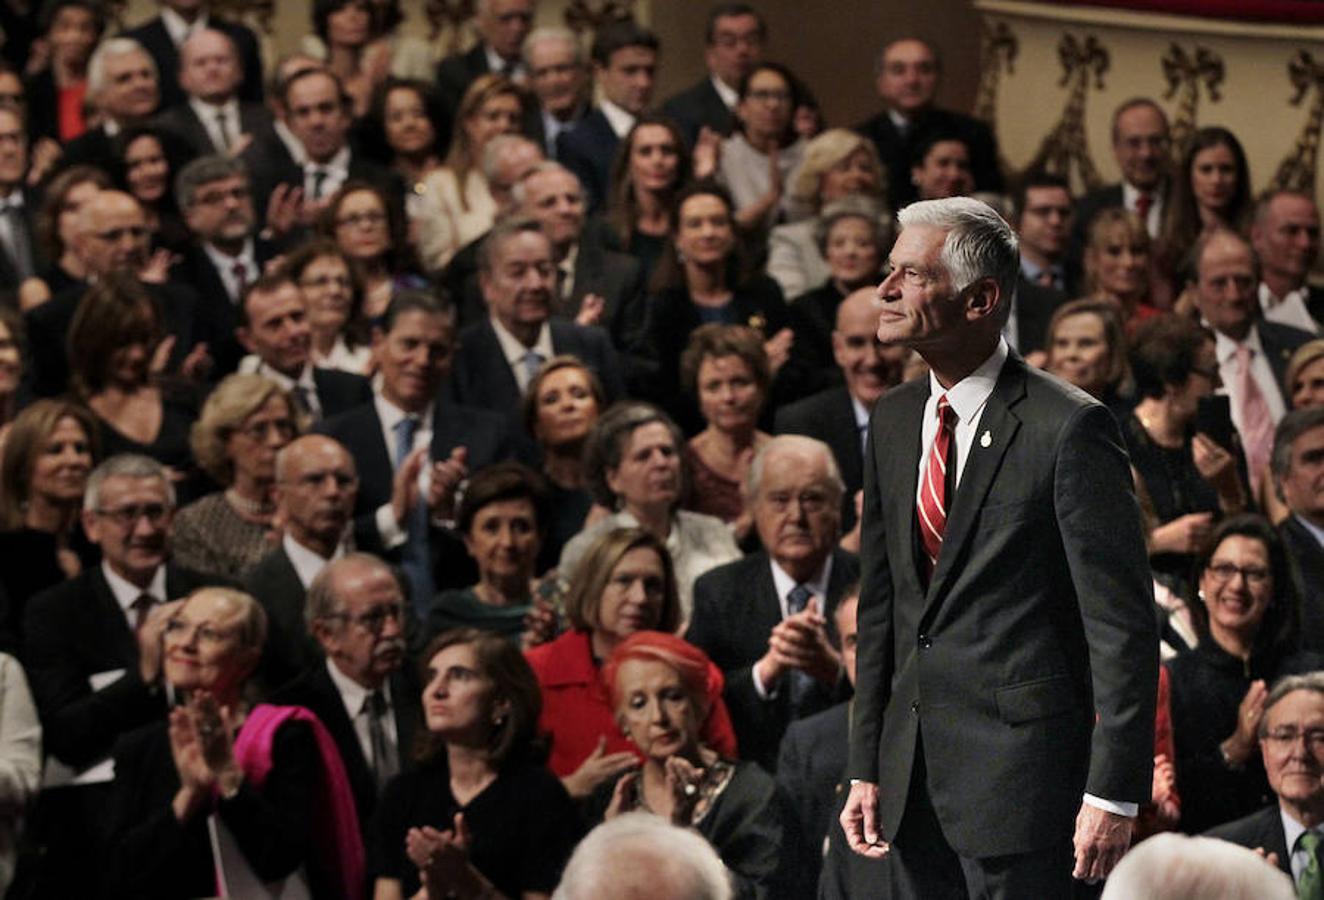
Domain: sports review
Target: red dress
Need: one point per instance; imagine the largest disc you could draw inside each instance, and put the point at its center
(576, 709)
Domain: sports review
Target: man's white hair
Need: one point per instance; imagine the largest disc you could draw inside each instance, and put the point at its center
(107, 50)
(557, 33)
(980, 243)
(643, 857)
(1176, 867)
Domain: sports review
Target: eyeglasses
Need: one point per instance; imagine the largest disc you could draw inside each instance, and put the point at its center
(128, 516)
(325, 281)
(810, 501)
(210, 198)
(1224, 572)
(180, 630)
(1282, 738)
(258, 431)
(374, 620)
(356, 220)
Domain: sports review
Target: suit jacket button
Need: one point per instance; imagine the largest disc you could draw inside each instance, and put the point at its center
(925, 642)
(914, 707)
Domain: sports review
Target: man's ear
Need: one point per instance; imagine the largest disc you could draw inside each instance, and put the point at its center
(984, 298)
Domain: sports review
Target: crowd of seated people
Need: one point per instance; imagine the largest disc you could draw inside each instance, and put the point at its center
(406, 467)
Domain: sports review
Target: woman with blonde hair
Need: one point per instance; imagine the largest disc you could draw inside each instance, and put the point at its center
(837, 164)
(457, 205)
(243, 424)
(1119, 264)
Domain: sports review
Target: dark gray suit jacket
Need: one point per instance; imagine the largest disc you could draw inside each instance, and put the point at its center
(810, 766)
(1308, 565)
(254, 119)
(697, 106)
(1038, 615)
(290, 649)
(1259, 829)
(588, 151)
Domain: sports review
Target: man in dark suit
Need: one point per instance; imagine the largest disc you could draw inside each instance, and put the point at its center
(112, 243)
(163, 37)
(211, 118)
(318, 115)
(1006, 605)
(587, 273)
(559, 80)
(316, 486)
(1298, 472)
(1141, 146)
(124, 86)
(502, 26)
(19, 258)
(1285, 235)
(1292, 746)
(812, 760)
(765, 619)
(362, 691)
(624, 67)
(217, 204)
(839, 416)
(402, 431)
(1042, 208)
(93, 656)
(499, 356)
(908, 73)
(733, 46)
(1252, 353)
(274, 328)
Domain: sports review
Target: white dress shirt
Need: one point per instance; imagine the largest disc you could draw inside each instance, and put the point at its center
(1292, 831)
(224, 264)
(179, 29)
(207, 114)
(308, 564)
(126, 594)
(1290, 309)
(1153, 221)
(620, 121)
(783, 584)
(514, 351)
(287, 384)
(728, 94)
(337, 173)
(391, 532)
(354, 695)
(496, 63)
(1226, 350)
(861, 420)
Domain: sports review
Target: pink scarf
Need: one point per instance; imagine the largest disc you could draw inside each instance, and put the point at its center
(337, 843)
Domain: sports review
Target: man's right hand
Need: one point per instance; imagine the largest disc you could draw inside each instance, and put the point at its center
(404, 487)
(859, 820)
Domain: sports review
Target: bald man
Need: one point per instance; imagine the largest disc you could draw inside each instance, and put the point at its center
(211, 117)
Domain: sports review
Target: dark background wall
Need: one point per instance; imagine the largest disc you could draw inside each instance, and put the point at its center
(832, 44)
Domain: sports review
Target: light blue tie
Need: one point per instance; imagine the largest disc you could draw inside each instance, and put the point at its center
(532, 362)
(416, 560)
(801, 683)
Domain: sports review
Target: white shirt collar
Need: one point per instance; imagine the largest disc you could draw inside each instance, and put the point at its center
(177, 28)
(861, 412)
(620, 121)
(307, 563)
(818, 585)
(497, 63)
(1289, 309)
(207, 112)
(1226, 348)
(901, 122)
(725, 91)
(391, 415)
(337, 165)
(353, 694)
(514, 351)
(224, 262)
(12, 200)
(126, 593)
(305, 379)
(292, 143)
(969, 395)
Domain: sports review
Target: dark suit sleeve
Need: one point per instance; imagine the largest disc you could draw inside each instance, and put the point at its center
(1100, 527)
(874, 653)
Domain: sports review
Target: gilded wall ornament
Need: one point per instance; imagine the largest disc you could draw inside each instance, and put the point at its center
(1297, 170)
(585, 15)
(1084, 63)
(1185, 72)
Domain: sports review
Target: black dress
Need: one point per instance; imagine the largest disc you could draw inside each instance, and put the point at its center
(1208, 685)
(151, 855)
(170, 447)
(523, 825)
(29, 564)
(812, 366)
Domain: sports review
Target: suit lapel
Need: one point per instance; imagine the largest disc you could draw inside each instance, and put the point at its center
(1000, 425)
(489, 365)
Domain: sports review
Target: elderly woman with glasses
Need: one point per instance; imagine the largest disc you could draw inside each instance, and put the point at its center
(1246, 612)
(261, 784)
(245, 422)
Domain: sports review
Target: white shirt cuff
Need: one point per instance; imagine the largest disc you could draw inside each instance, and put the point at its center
(388, 529)
(1130, 810)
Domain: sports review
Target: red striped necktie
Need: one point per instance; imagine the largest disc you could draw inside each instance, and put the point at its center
(933, 492)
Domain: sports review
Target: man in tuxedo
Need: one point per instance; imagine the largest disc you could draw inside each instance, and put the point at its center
(559, 80)
(316, 486)
(164, 37)
(587, 273)
(1006, 661)
(624, 66)
(1042, 206)
(124, 86)
(403, 431)
(1298, 472)
(499, 356)
(1292, 746)
(1252, 353)
(19, 258)
(907, 82)
(733, 46)
(1285, 235)
(93, 657)
(764, 620)
(274, 328)
(361, 691)
(214, 196)
(502, 27)
(211, 118)
(812, 758)
(1142, 147)
(839, 416)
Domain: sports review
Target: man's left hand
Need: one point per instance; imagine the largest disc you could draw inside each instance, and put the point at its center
(1101, 839)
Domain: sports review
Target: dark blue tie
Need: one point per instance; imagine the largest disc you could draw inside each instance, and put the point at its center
(415, 559)
(801, 683)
